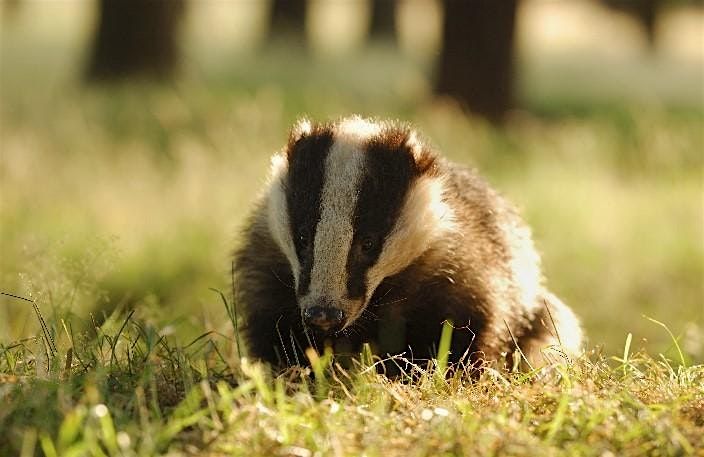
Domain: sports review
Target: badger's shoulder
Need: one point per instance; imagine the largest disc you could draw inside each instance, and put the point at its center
(474, 198)
(490, 230)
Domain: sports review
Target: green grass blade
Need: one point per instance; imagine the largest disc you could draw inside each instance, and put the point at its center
(444, 349)
(672, 336)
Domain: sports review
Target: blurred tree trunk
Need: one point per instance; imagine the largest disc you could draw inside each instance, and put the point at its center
(136, 37)
(476, 60)
(288, 20)
(383, 20)
(643, 11)
(10, 9)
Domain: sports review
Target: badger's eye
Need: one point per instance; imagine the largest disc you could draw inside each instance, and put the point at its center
(303, 237)
(367, 244)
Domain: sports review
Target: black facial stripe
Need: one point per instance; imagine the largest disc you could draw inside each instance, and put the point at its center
(389, 171)
(304, 187)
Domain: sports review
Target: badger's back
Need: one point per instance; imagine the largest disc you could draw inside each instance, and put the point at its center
(366, 235)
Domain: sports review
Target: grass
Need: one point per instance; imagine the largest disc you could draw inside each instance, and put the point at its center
(127, 387)
(119, 207)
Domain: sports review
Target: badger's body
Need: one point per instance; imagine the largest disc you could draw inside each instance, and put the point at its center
(364, 234)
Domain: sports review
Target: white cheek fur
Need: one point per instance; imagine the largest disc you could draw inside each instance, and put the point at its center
(277, 214)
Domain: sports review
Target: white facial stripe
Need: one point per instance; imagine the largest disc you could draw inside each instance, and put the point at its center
(333, 237)
(425, 216)
(356, 128)
(277, 214)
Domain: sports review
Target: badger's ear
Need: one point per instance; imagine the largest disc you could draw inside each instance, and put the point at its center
(309, 141)
(423, 155)
(301, 129)
(278, 166)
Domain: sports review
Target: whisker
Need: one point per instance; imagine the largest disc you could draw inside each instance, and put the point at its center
(368, 315)
(281, 340)
(375, 303)
(393, 301)
(281, 280)
(294, 343)
(311, 342)
(351, 329)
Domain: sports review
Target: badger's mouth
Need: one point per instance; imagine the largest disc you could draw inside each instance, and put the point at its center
(325, 316)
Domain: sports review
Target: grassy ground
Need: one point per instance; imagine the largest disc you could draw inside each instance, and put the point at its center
(128, 198)
(127, 389)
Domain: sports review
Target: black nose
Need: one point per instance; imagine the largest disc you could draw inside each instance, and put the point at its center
(325, 318)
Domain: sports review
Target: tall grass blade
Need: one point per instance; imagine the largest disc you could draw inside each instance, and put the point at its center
(319, 365)
(672, 336)
(444, 348)
(113, 343)
(232, 315)
(45, 328)
(626, 351)
(518, 348)
(233, 311)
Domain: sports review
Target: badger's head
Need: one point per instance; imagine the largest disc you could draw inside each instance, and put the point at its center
(351, 203)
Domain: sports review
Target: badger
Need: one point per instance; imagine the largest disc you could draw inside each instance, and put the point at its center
(365, 234)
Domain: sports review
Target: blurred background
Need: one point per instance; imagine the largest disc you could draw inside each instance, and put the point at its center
(135, 134)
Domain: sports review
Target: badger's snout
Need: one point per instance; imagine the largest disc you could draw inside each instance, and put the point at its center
(324, 318)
